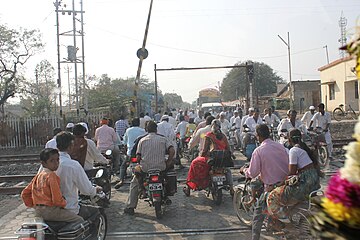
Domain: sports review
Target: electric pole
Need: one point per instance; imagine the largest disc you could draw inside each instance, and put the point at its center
(290, 83)
(342, 40)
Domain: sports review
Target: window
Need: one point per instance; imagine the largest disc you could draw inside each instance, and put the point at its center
(331, 91)
(356, 90)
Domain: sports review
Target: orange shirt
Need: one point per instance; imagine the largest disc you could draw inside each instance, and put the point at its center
(43, 189)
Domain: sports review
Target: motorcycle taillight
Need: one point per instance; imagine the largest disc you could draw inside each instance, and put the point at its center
(154, 178)
(26, 238)
(134, 160)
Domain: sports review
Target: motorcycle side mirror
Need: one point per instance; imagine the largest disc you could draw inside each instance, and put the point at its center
(108, 152)
(99, 173)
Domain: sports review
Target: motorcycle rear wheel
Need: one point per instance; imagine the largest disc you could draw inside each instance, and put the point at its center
(244, 213)
(323, 156)
(158, 211)
(217, 196)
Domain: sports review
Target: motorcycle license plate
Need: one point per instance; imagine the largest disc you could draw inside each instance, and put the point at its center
(155, 187)
(219, 179)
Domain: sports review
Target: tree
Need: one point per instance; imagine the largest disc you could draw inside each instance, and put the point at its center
(173, 100)
(39, 96)
(16, 47)
(235, 83)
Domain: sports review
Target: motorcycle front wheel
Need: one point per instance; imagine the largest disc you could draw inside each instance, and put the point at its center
(323, 156)
(101, 227)
(243, 212)
(158, 211)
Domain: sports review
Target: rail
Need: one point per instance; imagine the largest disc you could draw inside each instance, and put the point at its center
(17, 182)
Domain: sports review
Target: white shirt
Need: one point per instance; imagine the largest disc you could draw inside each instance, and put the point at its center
(93, 155)
(321, 120)
(306, 119)
(198, 120)
(271, 119)
(299, 157)
(172, 121)
(142, 123)
(181, 128)
(286, 124)
(192, 115)
(251, 123)
(225, 126)
(199, 138)
(72, 180)
(147, 118)
(166, 129)
(236, 120)
(51, 143)
(243, 122)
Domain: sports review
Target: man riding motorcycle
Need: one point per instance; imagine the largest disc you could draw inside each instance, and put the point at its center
(251, 123)
(150, 153)
(270, 161)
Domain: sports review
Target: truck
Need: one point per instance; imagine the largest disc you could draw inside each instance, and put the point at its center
(209, 98)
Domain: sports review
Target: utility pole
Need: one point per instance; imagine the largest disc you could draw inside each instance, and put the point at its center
(327, 53)
(342, 40)
(142, 54)
(290, 83)
(69, 84)
(156, 92)
(85, 92)
(57, 5)
(71, 50)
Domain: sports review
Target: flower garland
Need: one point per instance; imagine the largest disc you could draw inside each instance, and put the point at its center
(339, 215)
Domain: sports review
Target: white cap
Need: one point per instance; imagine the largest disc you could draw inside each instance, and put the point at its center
(236, 111)
(222, 114)
(164, 117)
(85, 126)
(251, 109)
(312, 108)
(70, 125)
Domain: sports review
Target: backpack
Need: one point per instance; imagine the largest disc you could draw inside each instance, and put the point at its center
(136, 143)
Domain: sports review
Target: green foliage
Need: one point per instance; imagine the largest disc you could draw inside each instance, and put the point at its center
(173, 100)
(38, 97)
(16, 47)
(235, 83)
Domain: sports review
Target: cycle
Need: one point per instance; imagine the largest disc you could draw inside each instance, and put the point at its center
(340, 113)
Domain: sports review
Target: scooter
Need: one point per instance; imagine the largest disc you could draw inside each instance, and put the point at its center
(95, 227)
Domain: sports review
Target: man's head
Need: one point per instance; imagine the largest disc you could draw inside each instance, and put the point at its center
(262, 132)
(209, 119)
(207, 114)
(251, 111)
(170, 114)
(256, 113)
(84, 124)
(270, 111)
(312, 109)
(321, 107)
(64, 141)
(216, 126)
(56, 131)
(151, 127)
(236, 113)
(49, 158)
(104, 121)
(79, 130)
(142, 115)
(69, 126)
(165, 118)
(222, 116)
(181, 118)
(121, 117)
(200, 113)
(292, 115)
(135, 122)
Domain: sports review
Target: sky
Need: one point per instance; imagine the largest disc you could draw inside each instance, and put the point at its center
(190, 33)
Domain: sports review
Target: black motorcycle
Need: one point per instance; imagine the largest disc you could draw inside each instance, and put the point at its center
(158, 186)
(94, 227)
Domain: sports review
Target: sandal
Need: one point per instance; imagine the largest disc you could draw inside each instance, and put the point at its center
(186, 190)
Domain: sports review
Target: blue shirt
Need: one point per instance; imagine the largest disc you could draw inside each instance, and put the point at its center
(130, 136)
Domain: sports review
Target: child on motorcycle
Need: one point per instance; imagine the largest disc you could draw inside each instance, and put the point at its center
(43, 192)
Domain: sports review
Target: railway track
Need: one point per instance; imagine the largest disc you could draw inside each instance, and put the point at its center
(14, 184)
(23, 158)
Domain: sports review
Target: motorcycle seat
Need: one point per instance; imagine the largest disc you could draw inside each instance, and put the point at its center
(74, 227)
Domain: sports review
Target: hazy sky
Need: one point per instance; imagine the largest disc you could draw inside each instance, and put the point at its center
(192, 33)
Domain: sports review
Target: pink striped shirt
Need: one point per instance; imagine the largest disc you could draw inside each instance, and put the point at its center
(105, 137)
(271, 161)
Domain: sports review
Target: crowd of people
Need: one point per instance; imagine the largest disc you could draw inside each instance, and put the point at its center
(156, 143)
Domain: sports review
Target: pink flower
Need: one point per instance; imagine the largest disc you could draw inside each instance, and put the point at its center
(342, 191)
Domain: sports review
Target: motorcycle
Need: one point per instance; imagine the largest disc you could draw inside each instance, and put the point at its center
(100, 176)
(94, 227)
(246, 198)
(316, 140)
(158, 186)
(130, 170)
